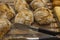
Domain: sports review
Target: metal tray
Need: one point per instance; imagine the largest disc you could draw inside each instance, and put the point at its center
(50, 31)
(30, 35)
(46, 29)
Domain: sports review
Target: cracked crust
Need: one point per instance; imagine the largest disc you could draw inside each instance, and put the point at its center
(38, 3)
(20, 4)
(4, 26)
(43, 16)
(6, 11)
(25, 16)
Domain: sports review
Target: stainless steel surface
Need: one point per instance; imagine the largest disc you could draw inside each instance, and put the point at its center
(29, 35)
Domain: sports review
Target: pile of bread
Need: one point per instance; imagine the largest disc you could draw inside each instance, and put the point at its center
(26, 12)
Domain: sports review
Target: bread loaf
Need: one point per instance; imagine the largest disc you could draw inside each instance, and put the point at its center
(20, 4)
(6, 11)
(43, 16)
(25, 16)
(38, 3)
(4, 26)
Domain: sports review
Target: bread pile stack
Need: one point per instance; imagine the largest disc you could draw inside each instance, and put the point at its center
(27, 12)
(42, 14)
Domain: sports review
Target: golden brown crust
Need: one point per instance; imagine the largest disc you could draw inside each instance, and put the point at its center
(4, 26)
(43, 16)
(39, 3)
(21, 4)
(25, 16)
(6, 11)
(56, 2)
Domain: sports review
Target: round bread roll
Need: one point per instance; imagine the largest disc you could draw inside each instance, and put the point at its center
(43, 16)
(6, 11)
(25, 16)
(4, 26)
(38, 3)
(20, 4)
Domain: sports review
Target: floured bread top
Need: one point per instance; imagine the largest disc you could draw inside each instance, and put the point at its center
(39, 3)
(6, 11)
(4, 23)
(20, 4)
(43, 16)
(4, 26)
(25, 16)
